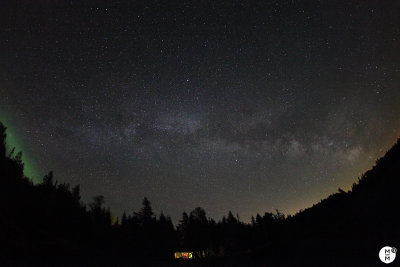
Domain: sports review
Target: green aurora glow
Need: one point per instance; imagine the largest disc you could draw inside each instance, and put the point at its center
(12, 141)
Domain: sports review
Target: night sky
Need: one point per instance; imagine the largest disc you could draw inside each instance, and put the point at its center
(244, 106)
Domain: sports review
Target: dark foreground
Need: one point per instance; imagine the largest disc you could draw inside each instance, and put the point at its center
(48, 225)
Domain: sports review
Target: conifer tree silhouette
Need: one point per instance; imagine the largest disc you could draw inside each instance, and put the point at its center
(3, 136)
(146, 215)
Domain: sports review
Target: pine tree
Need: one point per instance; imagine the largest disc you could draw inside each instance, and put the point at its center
(76, 192)
(146, 214)
(124, 219)
(48, 179)
(3, 136)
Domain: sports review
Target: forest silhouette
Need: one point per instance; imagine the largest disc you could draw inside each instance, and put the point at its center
(48, 224)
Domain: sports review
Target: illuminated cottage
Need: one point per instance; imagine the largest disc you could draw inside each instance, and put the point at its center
(183, 255)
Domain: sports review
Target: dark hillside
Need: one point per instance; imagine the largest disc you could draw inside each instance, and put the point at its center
(358, 223)
(48, 224)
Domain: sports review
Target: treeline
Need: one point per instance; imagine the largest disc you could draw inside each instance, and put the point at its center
(49, 223)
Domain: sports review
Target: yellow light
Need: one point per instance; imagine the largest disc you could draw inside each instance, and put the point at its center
(183, 255)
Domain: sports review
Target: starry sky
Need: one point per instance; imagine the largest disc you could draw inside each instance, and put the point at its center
(247, 106)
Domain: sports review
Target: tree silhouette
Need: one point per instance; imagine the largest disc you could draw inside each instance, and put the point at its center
(98, 202)
(48, 179)
(76, 192)
(3, 136)
(231, 219)
(124, 219)
(146, 215)
(47, 224)
(198, 216)
(195, 230)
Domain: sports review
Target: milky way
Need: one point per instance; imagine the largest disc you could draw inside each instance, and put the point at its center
(237, 106)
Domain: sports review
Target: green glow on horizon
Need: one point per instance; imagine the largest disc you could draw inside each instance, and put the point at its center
(30, 170)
